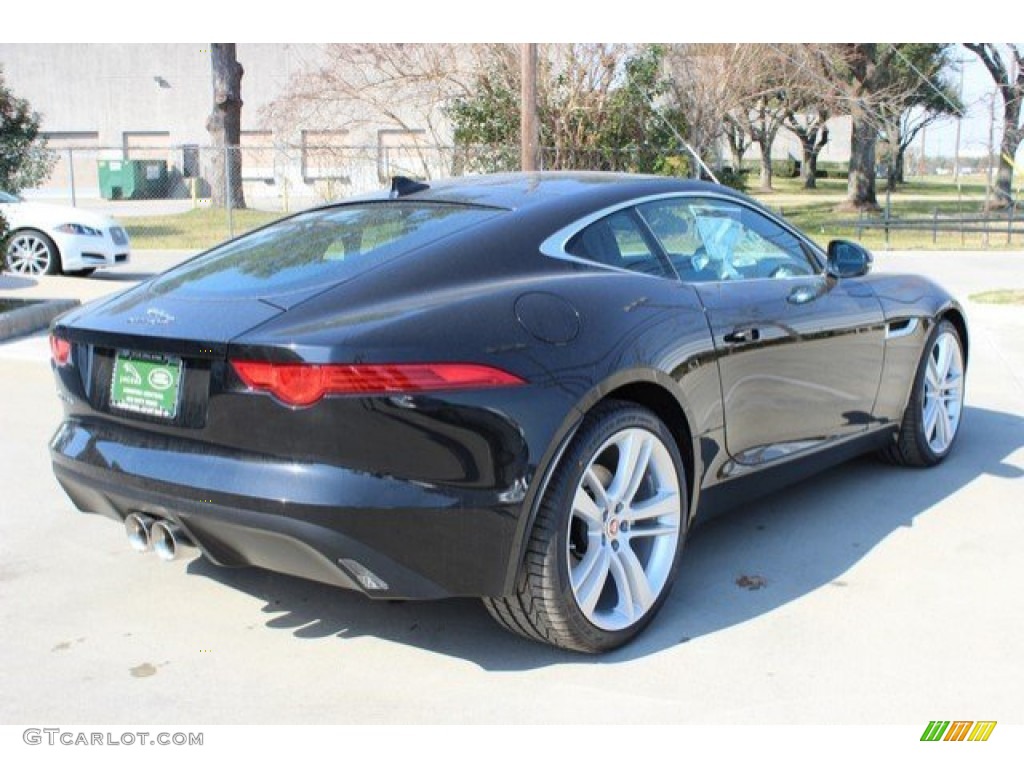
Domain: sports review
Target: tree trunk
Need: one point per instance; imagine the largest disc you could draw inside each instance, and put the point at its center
(860, 194)
(1013, 132)
(735, 137)
(225, 127)
(809, 164)
(890, 177)
(737, 157)
(899, 171)
(766, 165)
(812, 140)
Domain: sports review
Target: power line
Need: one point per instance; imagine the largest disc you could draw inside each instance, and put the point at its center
(957, 109)
(679, 136)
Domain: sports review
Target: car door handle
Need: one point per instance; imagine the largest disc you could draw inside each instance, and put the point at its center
(742, 336)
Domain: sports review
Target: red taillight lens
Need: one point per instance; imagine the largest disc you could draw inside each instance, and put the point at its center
(302, 384)
(60, 350)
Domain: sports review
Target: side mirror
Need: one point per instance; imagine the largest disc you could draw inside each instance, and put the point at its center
(846, 259)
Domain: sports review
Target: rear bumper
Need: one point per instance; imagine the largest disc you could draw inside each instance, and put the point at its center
(304, 519)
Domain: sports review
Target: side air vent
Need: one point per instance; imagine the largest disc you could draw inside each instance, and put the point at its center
(899, 328)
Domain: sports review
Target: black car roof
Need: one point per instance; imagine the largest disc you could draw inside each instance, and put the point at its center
(526, 190)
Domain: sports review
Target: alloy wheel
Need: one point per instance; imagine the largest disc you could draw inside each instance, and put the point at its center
(29, 254)
(624, 529)
(943, 392)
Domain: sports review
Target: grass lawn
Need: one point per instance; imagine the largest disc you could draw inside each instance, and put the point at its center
(814, 212)
(199, 228)
(1000, 297)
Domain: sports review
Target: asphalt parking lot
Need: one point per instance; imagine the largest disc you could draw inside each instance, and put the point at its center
(885, 595)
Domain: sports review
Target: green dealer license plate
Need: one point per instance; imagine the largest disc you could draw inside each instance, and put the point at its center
(147, 384)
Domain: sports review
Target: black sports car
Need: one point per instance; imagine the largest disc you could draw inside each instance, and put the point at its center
(521, 387)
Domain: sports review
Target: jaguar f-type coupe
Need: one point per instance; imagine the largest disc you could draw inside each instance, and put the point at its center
(524, 388)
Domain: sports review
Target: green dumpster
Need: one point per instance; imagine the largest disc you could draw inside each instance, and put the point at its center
(133, 179)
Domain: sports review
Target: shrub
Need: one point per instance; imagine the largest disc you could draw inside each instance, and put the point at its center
(786, 169)
(731, 178)
(24, 159)
(673, 165)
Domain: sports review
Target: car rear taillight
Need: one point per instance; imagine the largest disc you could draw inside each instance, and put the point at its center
(60, 350)
(304, 384)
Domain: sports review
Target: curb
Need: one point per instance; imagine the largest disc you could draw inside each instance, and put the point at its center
(33, 316)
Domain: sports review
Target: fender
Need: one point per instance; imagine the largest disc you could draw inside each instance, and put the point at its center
(567, 431)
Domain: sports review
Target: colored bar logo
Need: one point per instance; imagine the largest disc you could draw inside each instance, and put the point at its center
(958, 730)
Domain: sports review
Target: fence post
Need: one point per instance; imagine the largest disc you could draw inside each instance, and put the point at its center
(935, 225)
(888, 212)
(71, 173)
(1009, 221)
(227, 191)
(960, 213)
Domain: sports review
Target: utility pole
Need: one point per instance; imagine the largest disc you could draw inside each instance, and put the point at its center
(924, 152)
(959, 121)
(529, 132)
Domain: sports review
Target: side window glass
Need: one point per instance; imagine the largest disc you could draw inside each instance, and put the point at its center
(768, 250)
(717, 240)
(617, 241)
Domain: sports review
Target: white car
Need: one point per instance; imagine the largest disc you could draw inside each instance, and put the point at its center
(49, 239)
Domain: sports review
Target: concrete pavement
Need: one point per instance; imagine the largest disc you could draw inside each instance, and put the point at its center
(889, 595)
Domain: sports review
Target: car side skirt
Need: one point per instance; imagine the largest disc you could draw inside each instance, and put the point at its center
(724, 496)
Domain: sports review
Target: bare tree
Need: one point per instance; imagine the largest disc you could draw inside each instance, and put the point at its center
(810, 126)
(745, 94)
(1008, 75)
(707, 83)
(364, 88)
(762, 118)
(864, 69)
(225, 127)
(920, 95)
(811, 103)
(867, 82)
(737, 140)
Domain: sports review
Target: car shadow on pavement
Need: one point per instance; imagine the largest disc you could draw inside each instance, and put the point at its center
(735, 568)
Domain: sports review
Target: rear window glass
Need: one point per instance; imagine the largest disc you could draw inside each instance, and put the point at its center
(617, 241)
(319, 248)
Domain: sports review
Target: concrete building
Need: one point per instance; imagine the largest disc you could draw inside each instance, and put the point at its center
(151, 102)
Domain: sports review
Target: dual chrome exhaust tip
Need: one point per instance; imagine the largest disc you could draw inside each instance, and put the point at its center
(163, 537)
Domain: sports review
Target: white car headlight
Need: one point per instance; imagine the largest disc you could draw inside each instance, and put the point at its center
(78, 229)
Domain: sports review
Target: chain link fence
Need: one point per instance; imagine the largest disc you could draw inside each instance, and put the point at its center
(146, 184)
(279, 178)
(284, 177)
(142, 180)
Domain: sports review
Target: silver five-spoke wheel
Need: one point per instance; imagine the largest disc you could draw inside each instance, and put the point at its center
(624, 529)
(935, 403)
(943, 391)
(606, 543)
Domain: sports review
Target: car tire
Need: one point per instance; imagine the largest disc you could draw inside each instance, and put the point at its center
(31, 252)
(605, 547)
(931, 421)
